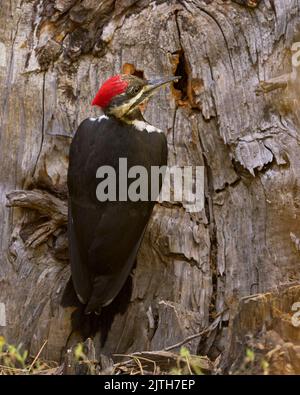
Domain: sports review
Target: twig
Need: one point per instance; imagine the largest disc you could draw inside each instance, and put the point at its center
(272, 84)
(135, 357)
(4, 367)
(160, 360)
(188, 365)
(210, 328)
(37, 355)
(138, 362)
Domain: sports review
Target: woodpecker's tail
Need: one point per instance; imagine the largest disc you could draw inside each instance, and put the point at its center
(69, 298)
(85, 324)
(89, 324)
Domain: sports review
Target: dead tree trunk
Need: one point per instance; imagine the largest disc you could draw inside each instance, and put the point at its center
(193, 269)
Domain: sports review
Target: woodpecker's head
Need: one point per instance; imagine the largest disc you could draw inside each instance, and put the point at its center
(122, 94)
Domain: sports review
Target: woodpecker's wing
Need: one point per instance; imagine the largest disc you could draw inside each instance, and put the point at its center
(80, 275)
(104, 237)
(103, 291)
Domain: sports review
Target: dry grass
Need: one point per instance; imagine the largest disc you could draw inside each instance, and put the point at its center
(15, 361)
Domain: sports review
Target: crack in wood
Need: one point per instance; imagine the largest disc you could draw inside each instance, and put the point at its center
(42, 126)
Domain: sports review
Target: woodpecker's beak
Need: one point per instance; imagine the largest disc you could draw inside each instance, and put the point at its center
(149, 89)
(152, 85)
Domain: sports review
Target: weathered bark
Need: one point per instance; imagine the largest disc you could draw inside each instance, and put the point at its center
(192, 268)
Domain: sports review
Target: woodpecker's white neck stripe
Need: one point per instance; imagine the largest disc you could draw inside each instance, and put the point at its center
(141, 125)
(102, 117)
(99, 119)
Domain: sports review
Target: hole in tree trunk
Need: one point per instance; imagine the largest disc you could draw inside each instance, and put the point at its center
(129, 68)
(181, 70)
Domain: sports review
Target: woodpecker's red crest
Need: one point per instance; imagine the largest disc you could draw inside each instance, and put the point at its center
(112, 87)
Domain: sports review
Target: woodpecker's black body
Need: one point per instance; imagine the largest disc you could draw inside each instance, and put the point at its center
(104, 237)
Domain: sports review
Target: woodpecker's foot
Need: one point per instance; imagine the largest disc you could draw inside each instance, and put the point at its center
(97, 312)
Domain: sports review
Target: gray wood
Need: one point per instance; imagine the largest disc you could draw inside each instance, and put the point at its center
(191, 267)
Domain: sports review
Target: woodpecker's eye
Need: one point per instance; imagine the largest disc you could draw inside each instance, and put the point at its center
(134, 90)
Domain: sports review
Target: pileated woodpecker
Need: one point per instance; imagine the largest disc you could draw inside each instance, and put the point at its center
(104, 237)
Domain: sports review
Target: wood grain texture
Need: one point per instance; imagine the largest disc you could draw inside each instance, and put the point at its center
(191, 267)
